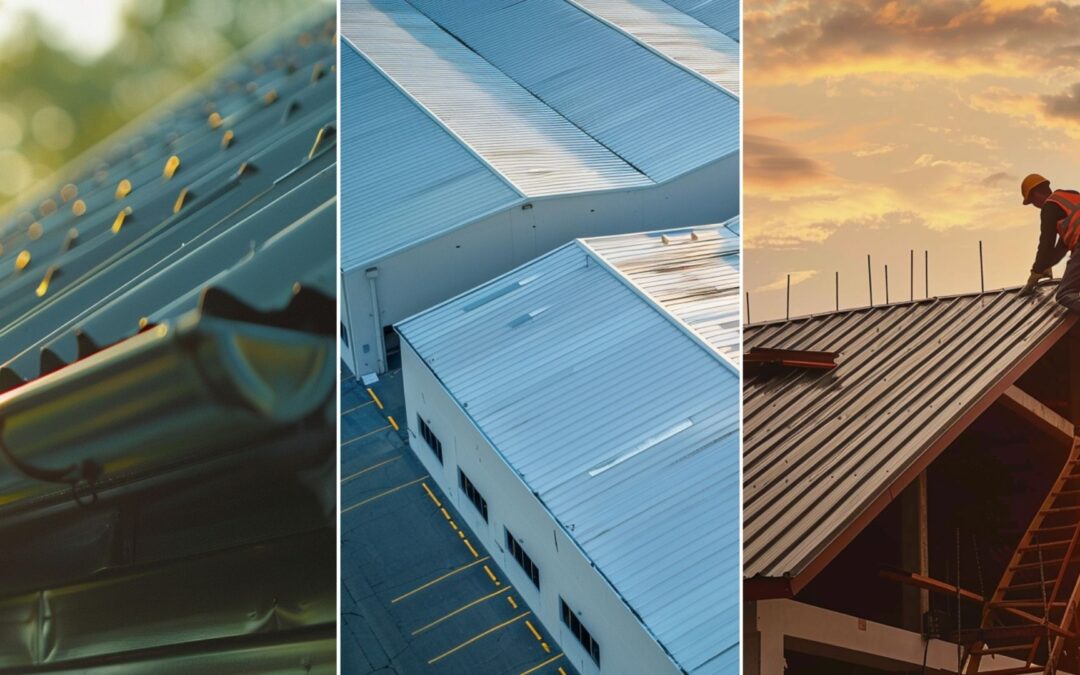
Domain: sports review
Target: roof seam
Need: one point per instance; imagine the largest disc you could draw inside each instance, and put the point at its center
(534, 95)
(655, 51)
(427, 111)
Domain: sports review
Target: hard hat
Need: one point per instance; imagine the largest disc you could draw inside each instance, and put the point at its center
(1030, 183)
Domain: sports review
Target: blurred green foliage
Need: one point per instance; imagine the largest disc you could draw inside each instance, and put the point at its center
(54, 104)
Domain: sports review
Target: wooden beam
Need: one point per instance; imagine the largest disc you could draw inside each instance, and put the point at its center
(1028, 407)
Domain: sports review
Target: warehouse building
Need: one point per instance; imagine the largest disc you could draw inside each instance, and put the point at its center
(475, 139)
(908, 487)
(580, 413)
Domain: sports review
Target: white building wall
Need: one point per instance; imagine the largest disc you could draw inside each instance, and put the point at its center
(430, 273)
(626, 648)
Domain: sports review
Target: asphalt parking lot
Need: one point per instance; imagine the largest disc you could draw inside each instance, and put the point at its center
(419, 593)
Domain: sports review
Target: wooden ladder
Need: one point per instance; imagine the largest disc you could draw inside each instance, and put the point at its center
(1032, 615)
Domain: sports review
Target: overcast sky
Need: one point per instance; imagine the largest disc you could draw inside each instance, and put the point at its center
(880, 127)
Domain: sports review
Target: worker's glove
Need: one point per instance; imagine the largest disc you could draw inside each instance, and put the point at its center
(1032, 280)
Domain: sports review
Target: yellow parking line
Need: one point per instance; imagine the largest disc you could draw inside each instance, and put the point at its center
(361, 472)
(374, 398)
(474, 638)
(432, 495)
(532, 629)
(362, 436)
(437, 580)
(535, 668)
(459, 610)
(446, 514)
(393, 422)
(471, 549)
(362, 405)
(545, 646)
(561, 671)
(491, 575)
(511, 600)
(382, 494)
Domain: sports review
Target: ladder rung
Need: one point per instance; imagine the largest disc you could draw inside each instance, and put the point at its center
(1060, 509)
(1036, 565)
(1029, 584)
(1028, 603)
(1049, 544)
(1053, 528)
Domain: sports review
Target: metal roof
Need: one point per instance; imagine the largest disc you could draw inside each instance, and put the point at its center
(824, 451)
(168, 353)
(676, 35)
(618, 420)
(654, 114)
(549, 97)
(96, 271)
(532, 145)
(401, 167)
(723, 15)
(692, 272)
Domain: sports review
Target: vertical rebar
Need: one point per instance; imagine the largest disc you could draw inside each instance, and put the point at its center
(748, 307)
(886, 284)
(926, 271)
(911, 270)
(982, 282)
(837, 285)
(959, 622)
(787, 307)
(870, 279)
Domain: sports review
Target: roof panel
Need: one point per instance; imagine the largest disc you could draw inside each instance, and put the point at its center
(564, 338)
(676, 35)
(533, 146)
(405, 178)
(692, 272)
(819, 448)
(723, 15)
(657, 116)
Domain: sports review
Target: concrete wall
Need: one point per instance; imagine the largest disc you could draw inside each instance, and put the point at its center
(440, 269)
(626, 648)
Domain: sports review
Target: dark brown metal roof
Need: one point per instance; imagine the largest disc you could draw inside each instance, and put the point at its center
(824, 452)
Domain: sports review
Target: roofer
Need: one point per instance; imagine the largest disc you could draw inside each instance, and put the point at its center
(1059, 233)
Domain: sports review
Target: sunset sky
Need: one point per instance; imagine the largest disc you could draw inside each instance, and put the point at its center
(881, 127)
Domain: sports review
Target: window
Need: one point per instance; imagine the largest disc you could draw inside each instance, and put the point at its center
(522, 558)
(430, 438)
(473, 494)
(580, 632)
(344, 335)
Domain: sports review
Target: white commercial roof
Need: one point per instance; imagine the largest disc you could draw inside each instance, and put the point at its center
(692, 272)
(549, 97)
(621, 421)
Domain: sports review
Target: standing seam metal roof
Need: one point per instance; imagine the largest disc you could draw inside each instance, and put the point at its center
(660, 118)
(692, 272)
(723, 15)
(562, 103)
(549, 362)
(820, 448)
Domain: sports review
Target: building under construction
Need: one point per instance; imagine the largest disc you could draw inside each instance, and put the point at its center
(911, 487)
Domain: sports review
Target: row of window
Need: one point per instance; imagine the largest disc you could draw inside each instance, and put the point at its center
(580, 632)
(569, 618)
(430, 438)
(522, 559)
(473, 494)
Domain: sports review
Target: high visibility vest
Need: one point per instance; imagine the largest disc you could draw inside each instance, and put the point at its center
(1068, 228)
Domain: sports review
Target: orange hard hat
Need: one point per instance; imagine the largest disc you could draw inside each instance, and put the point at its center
(1030, 183)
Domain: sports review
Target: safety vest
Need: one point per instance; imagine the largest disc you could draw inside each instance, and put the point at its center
(1068, 228)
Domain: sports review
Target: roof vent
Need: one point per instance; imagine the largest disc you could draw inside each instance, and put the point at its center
(643, 446)
(499, 292)
(524, 318)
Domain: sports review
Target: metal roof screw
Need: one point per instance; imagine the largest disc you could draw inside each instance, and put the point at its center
(123, 189)
(79, 207)
(22, 260)
(69, 192)
(171, 165)
(35, 231)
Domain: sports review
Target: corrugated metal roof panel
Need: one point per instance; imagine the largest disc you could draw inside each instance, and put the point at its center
(537, 149)
(820, 447)
(654, 114)
(692, 272)
(559, 395)
(404, 177)
(723, 15)
(221, 206)
(676, 35)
